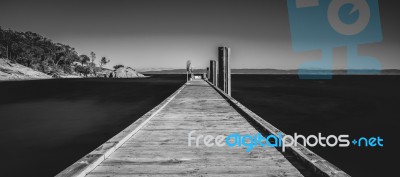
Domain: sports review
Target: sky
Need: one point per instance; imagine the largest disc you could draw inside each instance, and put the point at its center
(166, 33)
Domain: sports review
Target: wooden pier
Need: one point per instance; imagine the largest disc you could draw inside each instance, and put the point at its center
(157, 143)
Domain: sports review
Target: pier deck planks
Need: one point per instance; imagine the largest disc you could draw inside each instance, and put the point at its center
(160, 148)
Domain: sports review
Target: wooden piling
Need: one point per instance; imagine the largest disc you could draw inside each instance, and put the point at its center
(208, 74)
(224, 74)
(228, 71)
(211, 76)
(213, 72)
(216, 74)
(221, 68)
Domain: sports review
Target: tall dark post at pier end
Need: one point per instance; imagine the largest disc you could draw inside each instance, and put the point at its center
(208, 73)
(224, 71)
(213, 72)
(228, 71)
(221, 68)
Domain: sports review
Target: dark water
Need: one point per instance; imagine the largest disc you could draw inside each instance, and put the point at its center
(47, 125)
(355, 105)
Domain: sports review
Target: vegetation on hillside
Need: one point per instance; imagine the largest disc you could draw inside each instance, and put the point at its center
(42, 54)
(118, 66)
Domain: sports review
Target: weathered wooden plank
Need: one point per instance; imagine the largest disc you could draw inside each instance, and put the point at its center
(160, 148)
(196, 170)
(320, 165)
(91, 160)
(195, 175)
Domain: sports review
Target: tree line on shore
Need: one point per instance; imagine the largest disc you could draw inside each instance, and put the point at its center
(42, 54)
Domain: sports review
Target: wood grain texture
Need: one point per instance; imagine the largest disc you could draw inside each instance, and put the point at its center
(91, 160)
(160, 147)
(321, 166)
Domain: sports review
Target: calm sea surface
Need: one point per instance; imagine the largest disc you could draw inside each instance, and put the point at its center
(360, 106)
(46, 125)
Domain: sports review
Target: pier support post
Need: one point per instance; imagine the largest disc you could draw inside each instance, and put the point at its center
(221, 68)
(213, 72)
(216, 74)
(224, 73)
(208, 74)
(228, 71)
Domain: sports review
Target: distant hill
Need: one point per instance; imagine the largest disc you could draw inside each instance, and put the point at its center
(267, 71)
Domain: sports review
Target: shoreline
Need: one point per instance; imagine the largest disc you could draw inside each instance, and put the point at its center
(10, 71)
(62, 78)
